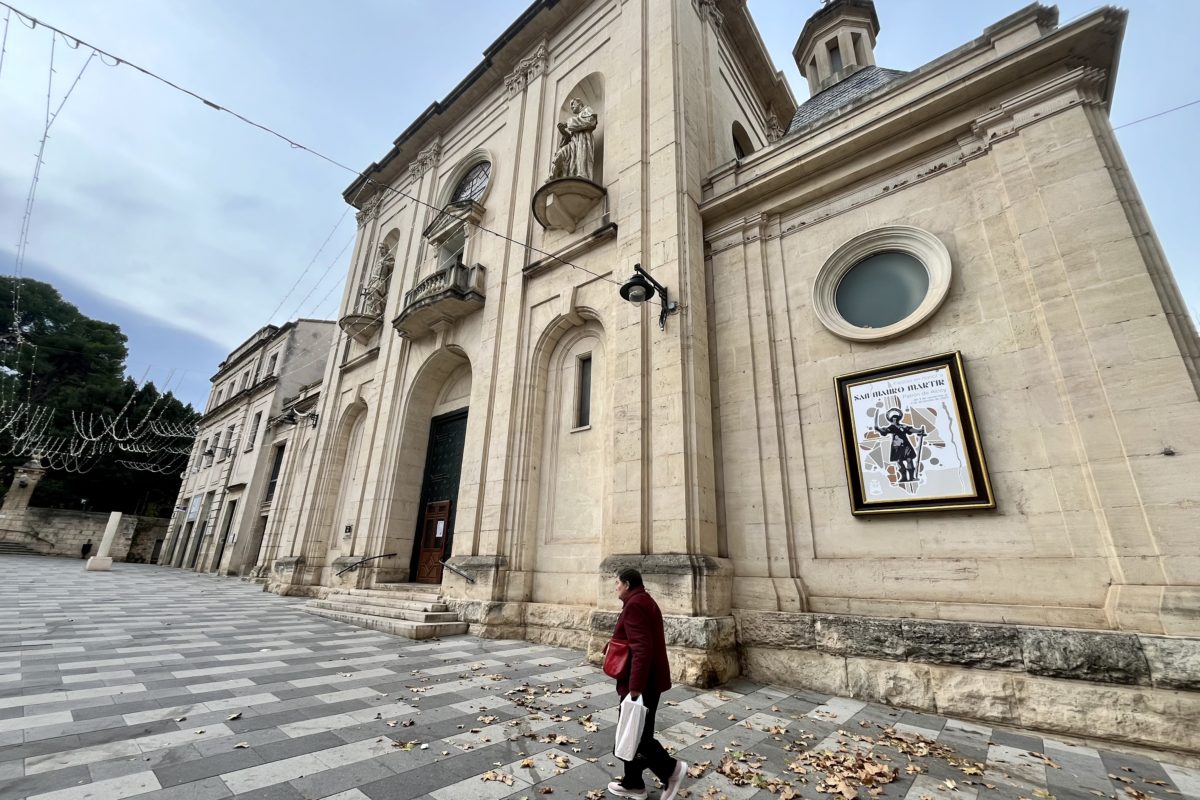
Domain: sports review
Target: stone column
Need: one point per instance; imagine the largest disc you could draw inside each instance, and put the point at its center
(102, 561)
(25, 480)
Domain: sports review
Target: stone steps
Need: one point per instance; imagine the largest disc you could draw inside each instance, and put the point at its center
(415, 613)
(388, 600)
(411, 591)
(16, 549)
(396, 627)
(355, 606)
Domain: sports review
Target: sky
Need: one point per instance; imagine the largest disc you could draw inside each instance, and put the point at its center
(192, 230)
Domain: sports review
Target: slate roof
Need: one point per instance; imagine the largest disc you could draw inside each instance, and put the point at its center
(842, 94)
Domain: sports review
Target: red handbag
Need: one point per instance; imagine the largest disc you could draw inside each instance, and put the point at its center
(616, 658)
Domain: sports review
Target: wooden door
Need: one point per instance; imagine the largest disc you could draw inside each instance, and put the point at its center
(435, 530)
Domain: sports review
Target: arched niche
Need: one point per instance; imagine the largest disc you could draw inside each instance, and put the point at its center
(568, 495)
(340, 473)
(591, 91)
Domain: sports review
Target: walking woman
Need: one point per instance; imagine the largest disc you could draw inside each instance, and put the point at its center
(647, 675)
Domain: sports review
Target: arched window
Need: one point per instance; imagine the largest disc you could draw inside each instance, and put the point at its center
(461, 204)
(742, 146)
(473, 184)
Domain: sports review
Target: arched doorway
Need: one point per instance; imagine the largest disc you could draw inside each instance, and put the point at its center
(429, 469)
(433, 540)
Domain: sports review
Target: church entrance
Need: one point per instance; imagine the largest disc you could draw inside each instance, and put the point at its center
(434, 537)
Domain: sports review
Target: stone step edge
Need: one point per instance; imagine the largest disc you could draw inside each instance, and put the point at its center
(409, 630)
(431, 592)
(385, 602)
(384, 611)
(405, 597)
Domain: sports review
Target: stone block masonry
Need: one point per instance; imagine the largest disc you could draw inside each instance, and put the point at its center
(1138, 688)
(59, 532)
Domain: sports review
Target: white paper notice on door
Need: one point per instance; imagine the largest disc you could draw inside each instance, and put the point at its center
(441, 529)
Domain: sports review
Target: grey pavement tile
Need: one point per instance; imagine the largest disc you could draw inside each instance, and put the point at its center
(223, 647)
(10, 770)
(339, 779)
(44, 782)
(1011, 738)
(205, 789)
(288, 748)
(206, 767)
(281, 791)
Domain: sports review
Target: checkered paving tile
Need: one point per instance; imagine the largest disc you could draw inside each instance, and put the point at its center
(152, 682)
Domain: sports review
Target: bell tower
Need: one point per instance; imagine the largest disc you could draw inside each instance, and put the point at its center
(836, 42)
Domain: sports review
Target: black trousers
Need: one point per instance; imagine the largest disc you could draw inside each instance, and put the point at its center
(650, 754)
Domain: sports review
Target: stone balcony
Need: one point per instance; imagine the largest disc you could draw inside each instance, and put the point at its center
(445, 296)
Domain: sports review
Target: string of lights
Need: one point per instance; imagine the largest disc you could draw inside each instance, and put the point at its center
(312, 261)
(294, 144)
(4, 41)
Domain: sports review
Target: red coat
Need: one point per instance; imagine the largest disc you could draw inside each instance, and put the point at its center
(641, 624)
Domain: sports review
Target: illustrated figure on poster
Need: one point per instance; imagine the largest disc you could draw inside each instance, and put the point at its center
(902, 453)
(576, 145)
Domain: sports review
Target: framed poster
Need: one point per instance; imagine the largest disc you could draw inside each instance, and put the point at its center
(910, 439)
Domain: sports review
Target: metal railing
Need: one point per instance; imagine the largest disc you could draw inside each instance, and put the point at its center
(357, 564)
(457, 571)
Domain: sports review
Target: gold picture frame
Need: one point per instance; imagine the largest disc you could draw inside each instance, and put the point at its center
(910, 440)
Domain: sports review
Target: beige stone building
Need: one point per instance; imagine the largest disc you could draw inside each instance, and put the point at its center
(229, 485)
(495, 402)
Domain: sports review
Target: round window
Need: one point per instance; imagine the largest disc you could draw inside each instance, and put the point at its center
(882, 283)
(881, 290)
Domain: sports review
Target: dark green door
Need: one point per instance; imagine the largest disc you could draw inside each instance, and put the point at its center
(433, 539)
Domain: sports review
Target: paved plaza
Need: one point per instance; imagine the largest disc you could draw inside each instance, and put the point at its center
(152, 682)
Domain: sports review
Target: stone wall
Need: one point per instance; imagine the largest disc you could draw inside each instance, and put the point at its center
(146, 531)
(1137, 688)
(58, 532)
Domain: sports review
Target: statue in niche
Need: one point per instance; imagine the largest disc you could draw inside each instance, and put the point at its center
(375, 292)
(576, 146)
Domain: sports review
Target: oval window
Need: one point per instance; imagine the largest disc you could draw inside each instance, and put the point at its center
(881, 290)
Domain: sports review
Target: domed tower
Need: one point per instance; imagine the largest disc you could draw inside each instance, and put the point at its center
(836, 42)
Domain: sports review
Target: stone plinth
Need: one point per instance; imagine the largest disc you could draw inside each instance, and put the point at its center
(99, 564)
(361, 327)
(564, 203)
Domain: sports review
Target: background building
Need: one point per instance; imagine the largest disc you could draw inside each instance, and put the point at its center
(229, 485)
(494, 402)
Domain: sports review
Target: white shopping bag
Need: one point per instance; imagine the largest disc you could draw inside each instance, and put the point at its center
(629, 728)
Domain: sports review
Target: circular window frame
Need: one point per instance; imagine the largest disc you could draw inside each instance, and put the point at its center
(927, 249)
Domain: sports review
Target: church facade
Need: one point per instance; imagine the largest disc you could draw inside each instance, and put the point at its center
(900, 401)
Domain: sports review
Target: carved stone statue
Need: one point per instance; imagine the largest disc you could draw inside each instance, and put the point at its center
(576, 154)
(375, 292)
